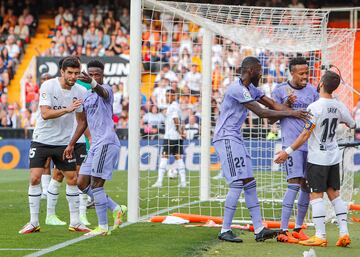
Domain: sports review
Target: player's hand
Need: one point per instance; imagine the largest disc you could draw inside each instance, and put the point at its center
(68, 152)
(301, 114)
(75, 104)
(281, 157)
(291, 100)
(84, 77)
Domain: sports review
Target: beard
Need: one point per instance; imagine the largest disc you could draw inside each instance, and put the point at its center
(255, 81)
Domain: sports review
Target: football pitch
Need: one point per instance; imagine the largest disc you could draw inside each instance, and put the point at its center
(140, 239)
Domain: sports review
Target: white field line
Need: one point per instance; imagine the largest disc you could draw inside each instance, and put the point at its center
(19, 249)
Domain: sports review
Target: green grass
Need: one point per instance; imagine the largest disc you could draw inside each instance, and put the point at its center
(142, 239)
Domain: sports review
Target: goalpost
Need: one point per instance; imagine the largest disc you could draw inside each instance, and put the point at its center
(216, 38)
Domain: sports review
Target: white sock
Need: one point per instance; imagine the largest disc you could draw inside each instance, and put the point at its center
(72, 196)
(341, 215)
(318, 216)
(52, 196)
(34, 203)
(83, 202)
(45, 181)
(162, 169)
(223, 230)
(181, 167)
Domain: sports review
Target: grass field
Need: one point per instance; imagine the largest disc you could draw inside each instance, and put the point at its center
(141, 239)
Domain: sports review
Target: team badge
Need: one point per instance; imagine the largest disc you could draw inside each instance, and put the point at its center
(247, 95)
(44, 96)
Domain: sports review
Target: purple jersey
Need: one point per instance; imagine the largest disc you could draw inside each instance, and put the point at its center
(291, 127)
(99, 118)
(233, 112)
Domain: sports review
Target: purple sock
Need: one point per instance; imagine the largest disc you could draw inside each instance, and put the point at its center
(302, 206)
(88, 191)
(111, 204)
(232, 199)
(252, 203)
(100, 205)
(288, 203)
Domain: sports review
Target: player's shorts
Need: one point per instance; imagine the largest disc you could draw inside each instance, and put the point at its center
(172, 147)
(39, 153)
(80, 153)
(295, 165)
(320, 177)
(101, 161)
(235, 160)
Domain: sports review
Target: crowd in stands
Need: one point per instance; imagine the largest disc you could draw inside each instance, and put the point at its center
(18, 21)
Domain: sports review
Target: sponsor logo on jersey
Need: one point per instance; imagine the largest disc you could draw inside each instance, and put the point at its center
(59, 107)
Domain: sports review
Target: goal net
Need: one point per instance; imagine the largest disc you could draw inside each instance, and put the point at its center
(196, 50)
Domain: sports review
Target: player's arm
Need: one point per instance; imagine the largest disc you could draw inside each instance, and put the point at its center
(80, 129)
(346, 117)
(178, 126)
(98, 89)
(300, 140)
(48, 113)
(266, 113)
(273, 105)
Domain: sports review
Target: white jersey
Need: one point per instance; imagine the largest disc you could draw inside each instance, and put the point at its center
(57, 131)
(173, 111)
(322, 146)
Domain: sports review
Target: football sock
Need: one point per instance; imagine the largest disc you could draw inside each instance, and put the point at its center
(101, 206)
(45, 181)
(318, 216)
(52, 196)
(231, 202)
(34, 203)
(181, 167)
(341, 215)
(162, 169)
(111, 204)
(288, 203)
(302, 206)
(83, 197)
(252, 203)
(72, 196)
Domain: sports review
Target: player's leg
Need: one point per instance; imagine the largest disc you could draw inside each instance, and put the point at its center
(302, 204)
(339, 205)
(317, 181)
(163, 163)
(53, 195)
(177, 151)
(103, 164)
(68, 168)
(45, 178)
(37, 155)
(80, 155)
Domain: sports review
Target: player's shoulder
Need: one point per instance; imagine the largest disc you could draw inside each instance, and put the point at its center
(280, 87)
(311, 88)
(79, 89)
(49, 84)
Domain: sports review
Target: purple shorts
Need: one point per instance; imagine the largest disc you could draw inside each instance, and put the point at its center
(295, 166)
(100, 162)
(235, 160)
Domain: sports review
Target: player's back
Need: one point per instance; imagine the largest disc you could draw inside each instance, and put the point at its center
(322, 145)
(99, 114)
(292, 127)
(233, 111)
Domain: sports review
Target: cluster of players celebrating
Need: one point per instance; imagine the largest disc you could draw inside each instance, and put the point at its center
(308, 119)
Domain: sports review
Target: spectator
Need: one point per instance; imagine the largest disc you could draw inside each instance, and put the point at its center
(4, 75)
(159, 94)
(59, 16)
(118, 96)
(25, 119)
(296, 4)
(102, 38)
(192, 128)
(4, 102)
(356, 114)
(70, 46)
(125, 18)
(166, 73)
(13, 120)
(28, 18)
(13, 48)
(76, 37)
(153, 121)
(193, 80)
(95, 17)
(22, 30)
(91, 36)
(10, 17)
(269, 86)
(31, 90)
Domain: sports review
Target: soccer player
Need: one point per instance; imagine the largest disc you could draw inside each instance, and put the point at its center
(59, 98)
(323, 159)
(104, 150)
(241, 96)
(57, 178)
(173, 143)
(297, 93)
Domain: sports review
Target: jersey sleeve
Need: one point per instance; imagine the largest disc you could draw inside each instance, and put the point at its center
(46, 94)
(346, 116)
(257, 93)
(242, 95)
(310, 124)
(81, 91)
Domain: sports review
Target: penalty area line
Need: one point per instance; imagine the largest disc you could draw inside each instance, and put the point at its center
(19, 249)
(66, 244)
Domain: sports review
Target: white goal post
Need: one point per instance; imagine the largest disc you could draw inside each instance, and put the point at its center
(277, 34)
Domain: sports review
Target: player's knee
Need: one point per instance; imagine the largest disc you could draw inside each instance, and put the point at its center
(82, 184)
(71, 178)
(332, 193)
(58, 176)
(35, 179)
(295, 181)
